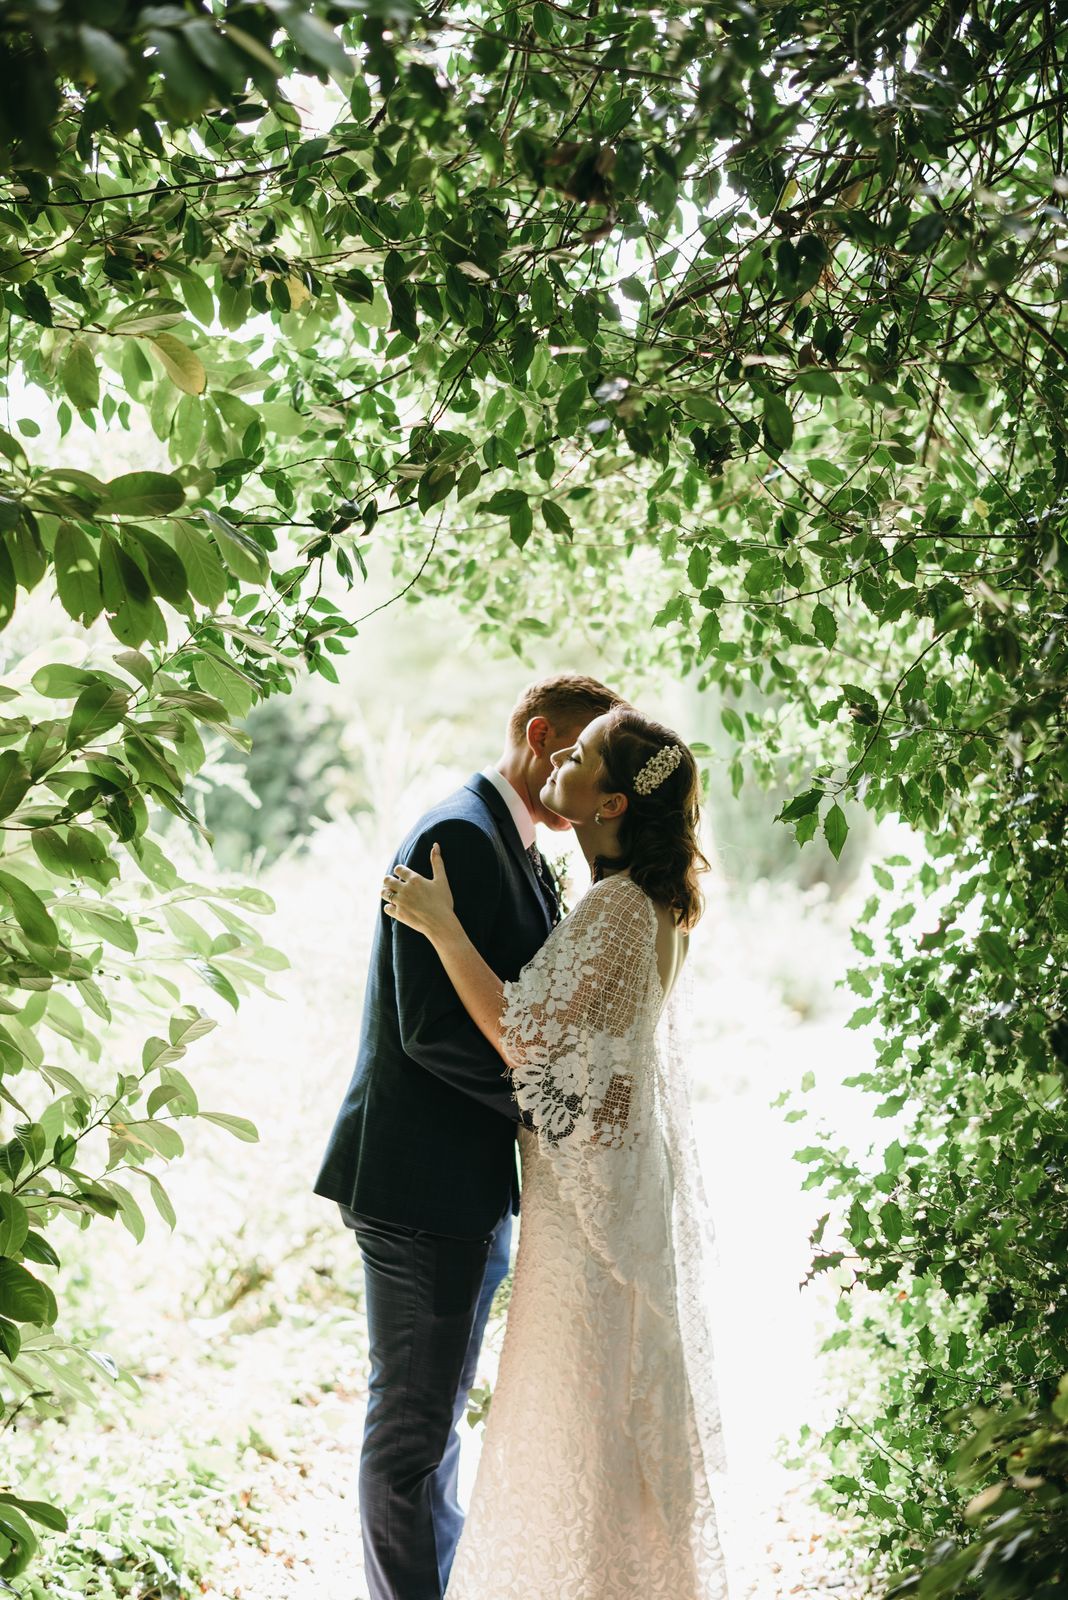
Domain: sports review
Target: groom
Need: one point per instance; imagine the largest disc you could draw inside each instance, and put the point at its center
(421, 1160)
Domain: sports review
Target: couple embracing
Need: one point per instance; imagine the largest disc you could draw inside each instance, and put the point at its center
(488, 1016)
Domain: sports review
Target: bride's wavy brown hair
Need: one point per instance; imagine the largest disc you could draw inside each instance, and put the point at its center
(658, 831)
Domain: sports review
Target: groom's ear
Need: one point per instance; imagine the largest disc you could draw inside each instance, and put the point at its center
(538, 731)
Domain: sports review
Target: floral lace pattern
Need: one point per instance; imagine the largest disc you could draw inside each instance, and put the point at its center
(604, 1431)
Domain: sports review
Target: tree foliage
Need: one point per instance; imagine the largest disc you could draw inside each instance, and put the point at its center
(1017, 1545)
(736, 329)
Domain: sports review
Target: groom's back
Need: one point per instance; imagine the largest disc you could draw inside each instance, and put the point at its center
(426, 1133)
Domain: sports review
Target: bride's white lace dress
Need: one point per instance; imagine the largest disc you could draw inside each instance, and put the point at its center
(604, 1428)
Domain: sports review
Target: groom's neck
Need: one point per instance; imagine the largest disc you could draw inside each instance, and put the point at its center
(512, 768)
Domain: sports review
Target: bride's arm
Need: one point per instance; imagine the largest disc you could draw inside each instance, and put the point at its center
(564, 1028)
(425, 904)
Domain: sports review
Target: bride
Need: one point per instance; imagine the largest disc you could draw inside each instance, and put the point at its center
(604, 1431)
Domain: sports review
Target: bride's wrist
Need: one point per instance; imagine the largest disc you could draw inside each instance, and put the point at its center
(447, 932)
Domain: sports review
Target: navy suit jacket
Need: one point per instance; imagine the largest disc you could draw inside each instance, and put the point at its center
(426, 1133)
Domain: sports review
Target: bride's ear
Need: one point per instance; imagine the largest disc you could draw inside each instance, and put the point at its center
(613, 806)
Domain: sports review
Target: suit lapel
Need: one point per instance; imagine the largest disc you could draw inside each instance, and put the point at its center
(506, 827)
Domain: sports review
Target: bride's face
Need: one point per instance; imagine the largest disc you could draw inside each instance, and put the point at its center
(573, 789)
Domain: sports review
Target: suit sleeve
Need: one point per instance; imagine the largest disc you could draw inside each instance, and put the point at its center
(435, 1029)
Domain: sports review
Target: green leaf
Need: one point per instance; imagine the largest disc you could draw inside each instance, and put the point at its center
(81, 379)
(751, 265)
(570, 404)
(829, 473)
(697, 567)
(205, 572)
(8, 583)
(15, 781)
(996, 950)
(778, 424)
(470, 478)
(542, 18)
(182, 365)
(220, 678)
(150, 315)
(434, 486)
(891, 1220)
(354, 286)
(109, 924)
(962, 378)
(161, 1200)
(246, 559)
(764, 574)
(18, 1543)
(159, 1053)
(190, 1024)
(218, 981)
(31, 916)
(824, 625)
(14, 1225)
(801, 806)
(521, 523)
(166, 574)
(97, 708)
(317, 41)
(109, 64)
(130, 1213)
(77, 574)
(23, 1298)
(166, 1141)
(240, 1127)
(143, 494)
(835, 829)
(556, 518)
(40, 1511)
(133, 662)
(813, 381)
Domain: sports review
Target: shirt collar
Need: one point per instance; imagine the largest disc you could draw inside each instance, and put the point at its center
(520, 815)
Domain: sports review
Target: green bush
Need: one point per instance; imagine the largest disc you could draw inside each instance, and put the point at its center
(1017, 1548)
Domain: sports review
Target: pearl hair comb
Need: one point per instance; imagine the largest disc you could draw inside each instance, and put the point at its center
(657, 768)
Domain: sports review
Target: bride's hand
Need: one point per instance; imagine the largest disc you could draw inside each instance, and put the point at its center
(424, 904)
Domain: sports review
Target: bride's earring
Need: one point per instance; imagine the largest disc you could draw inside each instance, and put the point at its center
(597, 817)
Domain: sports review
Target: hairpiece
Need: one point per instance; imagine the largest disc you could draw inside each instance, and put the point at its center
(657, 768)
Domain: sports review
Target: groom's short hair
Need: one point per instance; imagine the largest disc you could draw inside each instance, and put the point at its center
(563, 700)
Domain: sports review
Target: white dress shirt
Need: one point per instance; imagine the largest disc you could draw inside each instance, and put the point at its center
(520, 815)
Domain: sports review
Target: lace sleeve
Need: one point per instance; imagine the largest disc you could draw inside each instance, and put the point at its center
(572, 1019)
(578, 1031)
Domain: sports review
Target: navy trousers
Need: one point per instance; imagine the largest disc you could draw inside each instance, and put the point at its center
(427, 1300)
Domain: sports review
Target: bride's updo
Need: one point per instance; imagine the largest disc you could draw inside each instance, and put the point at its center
(658, 832)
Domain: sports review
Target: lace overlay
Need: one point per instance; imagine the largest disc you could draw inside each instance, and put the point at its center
(604, 1431)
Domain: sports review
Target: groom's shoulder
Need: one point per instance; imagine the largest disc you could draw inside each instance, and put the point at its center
(464, 812)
